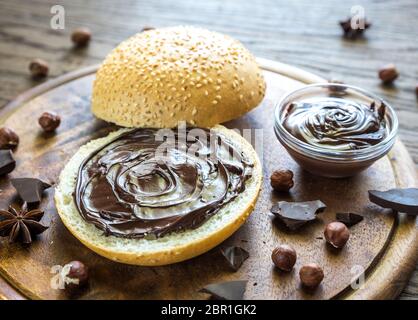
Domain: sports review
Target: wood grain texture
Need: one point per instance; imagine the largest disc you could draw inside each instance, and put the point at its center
(302, 33)
(29, 269)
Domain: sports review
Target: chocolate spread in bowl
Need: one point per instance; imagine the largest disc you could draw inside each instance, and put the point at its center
(129, 190)
(336, 123)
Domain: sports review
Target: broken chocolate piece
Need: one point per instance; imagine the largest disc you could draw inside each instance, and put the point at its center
(229, 290)
(235, 256)
(401, 200)
(7, 162)
(296, 214)
(348, 218)
(30, 189)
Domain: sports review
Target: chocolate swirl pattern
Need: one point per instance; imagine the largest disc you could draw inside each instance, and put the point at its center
(336, 123)
(139, 185)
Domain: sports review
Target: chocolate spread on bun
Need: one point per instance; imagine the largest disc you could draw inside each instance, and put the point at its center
(335, 123)
(141, 185)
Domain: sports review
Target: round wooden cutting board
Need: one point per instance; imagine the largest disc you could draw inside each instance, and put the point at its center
(384, 245)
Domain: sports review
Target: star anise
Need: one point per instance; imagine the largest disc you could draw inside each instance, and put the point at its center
(353, 33)
(21, 225)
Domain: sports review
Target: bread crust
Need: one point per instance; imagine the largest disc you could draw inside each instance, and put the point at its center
(172, 252)
(160, 77)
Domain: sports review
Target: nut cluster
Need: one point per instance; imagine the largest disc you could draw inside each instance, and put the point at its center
(49, 121)
(284, 258)
(282, 180)
(39, 68)
(8, 138)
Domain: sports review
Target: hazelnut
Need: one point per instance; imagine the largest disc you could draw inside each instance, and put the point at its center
(282, 180)
(49, 121)
(8, 138)
(38, 68)
(78, 272)
(147, 28)
(81, 37)
(388, 73)
(337, 234)
(311, 275)
(284, 257)
(336, 89)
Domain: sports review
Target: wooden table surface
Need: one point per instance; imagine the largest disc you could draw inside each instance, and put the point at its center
(303, 33)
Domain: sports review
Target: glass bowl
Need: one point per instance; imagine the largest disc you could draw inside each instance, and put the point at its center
(321, 160)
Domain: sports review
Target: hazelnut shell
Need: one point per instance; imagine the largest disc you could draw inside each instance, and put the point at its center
(80, 272)
(49, 121)
(8, 138)
(282, 180)
(284, 257)
(81, 37)
(311, 275)
(336, 234)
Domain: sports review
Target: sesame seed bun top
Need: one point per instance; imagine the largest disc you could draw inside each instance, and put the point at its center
(160, 77)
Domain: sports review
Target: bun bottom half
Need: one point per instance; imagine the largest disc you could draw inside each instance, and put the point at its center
(171, 248)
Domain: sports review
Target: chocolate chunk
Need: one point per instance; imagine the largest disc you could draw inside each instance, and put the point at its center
(349, 219)
(296, 214)
(30, 189)
(7, 162)
(229, 290)
(235, 256)
(401, 200)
